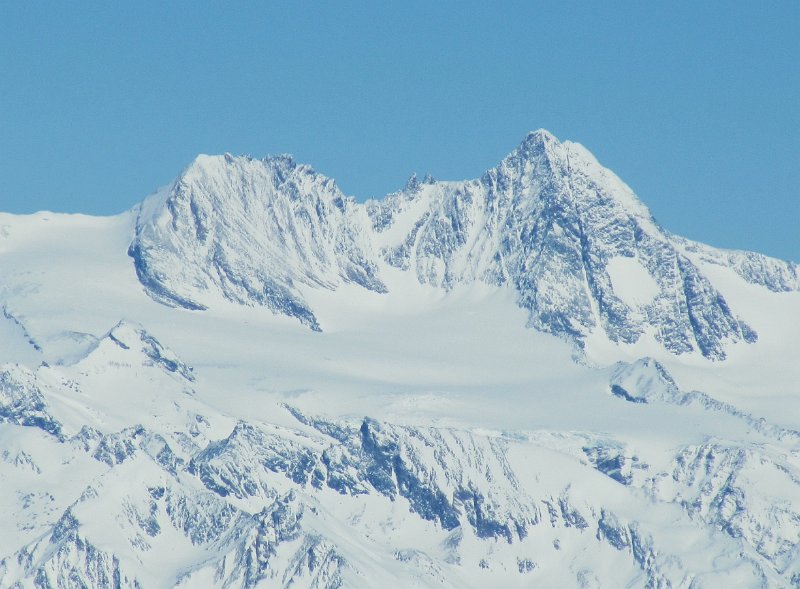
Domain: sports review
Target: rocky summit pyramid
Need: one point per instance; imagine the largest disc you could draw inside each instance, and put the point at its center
(251, 380)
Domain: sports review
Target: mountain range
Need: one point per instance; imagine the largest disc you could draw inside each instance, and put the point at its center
(253, 380)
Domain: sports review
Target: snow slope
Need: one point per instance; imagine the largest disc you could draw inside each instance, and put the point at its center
(251, 380)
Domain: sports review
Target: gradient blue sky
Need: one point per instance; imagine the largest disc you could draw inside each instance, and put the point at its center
(696, 105)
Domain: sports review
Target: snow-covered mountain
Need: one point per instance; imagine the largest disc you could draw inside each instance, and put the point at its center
(252, 231)
(582, 253)
(251, 380)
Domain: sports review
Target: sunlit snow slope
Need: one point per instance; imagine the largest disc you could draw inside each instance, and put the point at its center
(251, 380)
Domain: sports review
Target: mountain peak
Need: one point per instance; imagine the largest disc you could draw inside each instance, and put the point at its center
(540, 136)
(538, 140)
(539, 145)
(204, 161)
(253, 231)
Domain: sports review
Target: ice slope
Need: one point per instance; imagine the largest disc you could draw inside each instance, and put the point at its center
(425, 437)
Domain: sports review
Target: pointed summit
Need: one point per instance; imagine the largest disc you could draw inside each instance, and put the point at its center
(538, 141)
(540, 136)
(204, 164)
(537, 146)
(412, 184)
(567, 234)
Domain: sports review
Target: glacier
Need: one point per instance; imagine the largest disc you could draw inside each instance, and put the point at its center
(252, 380)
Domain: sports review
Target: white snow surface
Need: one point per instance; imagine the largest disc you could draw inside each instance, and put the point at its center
(425, 437)
(631, 281)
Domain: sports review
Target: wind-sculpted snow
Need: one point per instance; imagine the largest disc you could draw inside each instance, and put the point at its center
(127, 336)
(16, 344)
(548, 221)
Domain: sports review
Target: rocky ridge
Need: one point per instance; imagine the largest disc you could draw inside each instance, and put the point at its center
(249, 509)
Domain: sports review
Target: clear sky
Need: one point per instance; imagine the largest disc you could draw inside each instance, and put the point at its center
(696, 105)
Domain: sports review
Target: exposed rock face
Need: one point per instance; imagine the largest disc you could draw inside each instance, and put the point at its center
(458, 482)
(21, 400)
(251, 231)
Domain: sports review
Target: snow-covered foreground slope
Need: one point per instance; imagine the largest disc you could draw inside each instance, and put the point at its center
(168, 419)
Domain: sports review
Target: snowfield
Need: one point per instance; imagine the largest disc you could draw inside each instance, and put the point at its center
(251, 380)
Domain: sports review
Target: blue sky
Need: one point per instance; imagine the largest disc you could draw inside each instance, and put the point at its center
(696, 105)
